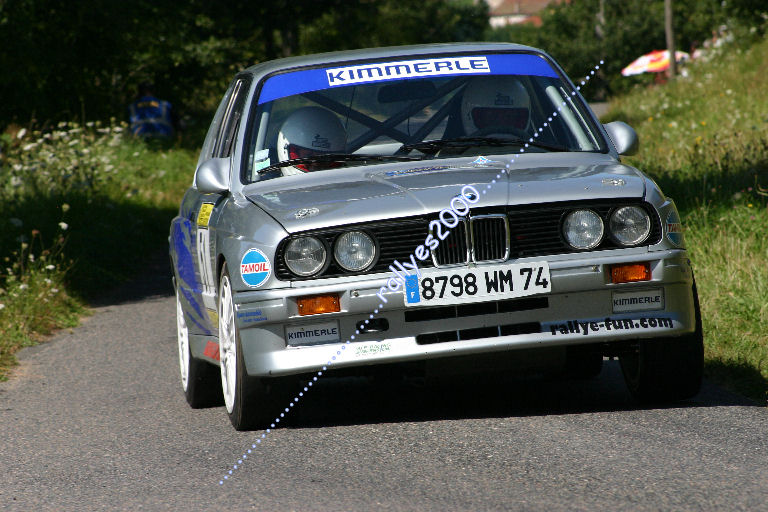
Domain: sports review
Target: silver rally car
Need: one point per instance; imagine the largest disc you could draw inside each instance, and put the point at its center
(415, 204)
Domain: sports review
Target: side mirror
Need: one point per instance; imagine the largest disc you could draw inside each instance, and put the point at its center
(212, 177)
(623, 136)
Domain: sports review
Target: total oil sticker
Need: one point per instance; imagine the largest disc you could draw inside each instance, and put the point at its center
(674, 229)
(255, 268)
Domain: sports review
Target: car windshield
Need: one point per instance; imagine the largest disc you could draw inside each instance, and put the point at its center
(469, 105)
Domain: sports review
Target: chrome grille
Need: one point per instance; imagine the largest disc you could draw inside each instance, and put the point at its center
(490, 237)
(482, 238)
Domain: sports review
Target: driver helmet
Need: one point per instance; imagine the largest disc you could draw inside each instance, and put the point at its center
(498, 101)
(307, 132)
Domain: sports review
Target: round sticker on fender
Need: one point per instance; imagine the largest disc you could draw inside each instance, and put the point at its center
(674, 229)
(255, 268)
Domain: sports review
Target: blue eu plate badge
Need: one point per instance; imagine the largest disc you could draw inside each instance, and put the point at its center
(412, 289)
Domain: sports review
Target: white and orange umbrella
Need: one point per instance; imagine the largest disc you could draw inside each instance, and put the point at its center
(653, 62)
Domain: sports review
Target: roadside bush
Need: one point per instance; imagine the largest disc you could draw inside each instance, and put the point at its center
(82, 209)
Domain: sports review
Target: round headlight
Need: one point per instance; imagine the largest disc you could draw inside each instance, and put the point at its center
(630, 225)
(583, 229)
(305, 256)
(354, 250)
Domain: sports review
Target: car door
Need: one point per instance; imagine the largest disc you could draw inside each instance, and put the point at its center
(208, 207)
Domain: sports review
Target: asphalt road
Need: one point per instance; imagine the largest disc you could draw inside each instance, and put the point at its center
(96, 420)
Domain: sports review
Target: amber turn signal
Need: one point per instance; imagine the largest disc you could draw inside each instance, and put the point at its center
(630, 272)
(316, 304)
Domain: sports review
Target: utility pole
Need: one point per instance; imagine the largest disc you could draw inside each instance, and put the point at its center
(670, 31)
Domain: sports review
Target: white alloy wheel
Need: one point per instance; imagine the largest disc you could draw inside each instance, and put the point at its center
(227, 343)
(182, 335)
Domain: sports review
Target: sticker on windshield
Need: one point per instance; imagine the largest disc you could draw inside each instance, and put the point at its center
(302, 81)
(261, 160)
(407, 69)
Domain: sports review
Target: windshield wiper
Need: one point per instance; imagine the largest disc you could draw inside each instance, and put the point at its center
(432, 146)
(337, 157)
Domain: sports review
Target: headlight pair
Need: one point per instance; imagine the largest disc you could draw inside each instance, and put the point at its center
(307, 255)
(628, 225)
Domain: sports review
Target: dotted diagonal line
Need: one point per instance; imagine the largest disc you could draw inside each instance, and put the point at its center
(241, 460)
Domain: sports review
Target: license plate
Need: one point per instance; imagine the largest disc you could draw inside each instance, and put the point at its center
(438, 287)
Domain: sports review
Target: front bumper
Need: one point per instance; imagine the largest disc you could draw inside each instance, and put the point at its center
(579, 310)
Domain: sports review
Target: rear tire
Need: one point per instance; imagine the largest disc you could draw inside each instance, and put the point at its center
(199, 380)
(250, 401)
(665, 370)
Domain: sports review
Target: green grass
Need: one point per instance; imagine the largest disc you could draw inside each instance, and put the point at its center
(704, 139)
(82, 208)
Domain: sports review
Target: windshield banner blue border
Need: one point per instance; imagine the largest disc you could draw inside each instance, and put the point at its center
(298, 82)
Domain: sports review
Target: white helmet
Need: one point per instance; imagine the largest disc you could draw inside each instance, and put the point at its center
(495, 101)
(307, 132)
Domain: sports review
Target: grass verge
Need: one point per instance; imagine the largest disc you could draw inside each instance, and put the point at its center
(82, 208)
(704, 139)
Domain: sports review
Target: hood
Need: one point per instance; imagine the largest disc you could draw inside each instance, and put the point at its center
(368, 193)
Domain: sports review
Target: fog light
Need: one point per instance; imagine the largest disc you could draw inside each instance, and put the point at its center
(631, 272)
(316, 304)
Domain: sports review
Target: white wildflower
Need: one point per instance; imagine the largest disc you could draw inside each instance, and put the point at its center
(32, 257)
(50, 267)
(54, 290)
(64, 207)
(29, 146)
(73, 142)
(23, 286)
(63, 226)
(2, 306)
(21, 133)
(16, 222)
(47, 281)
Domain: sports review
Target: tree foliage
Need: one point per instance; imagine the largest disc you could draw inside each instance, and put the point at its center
(83, 59)
(573, 34)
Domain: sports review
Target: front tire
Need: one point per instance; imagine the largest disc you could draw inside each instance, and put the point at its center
(199, 380)
(249, 401)
(666, 370)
